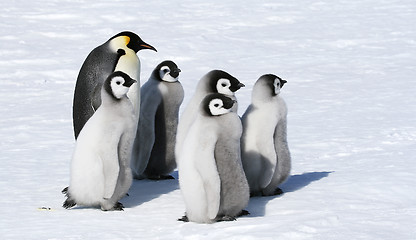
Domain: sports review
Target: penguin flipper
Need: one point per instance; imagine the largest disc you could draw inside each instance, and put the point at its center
(268, 158)
(145, 136)
(207, 168)
(282, 152)
(111, 170)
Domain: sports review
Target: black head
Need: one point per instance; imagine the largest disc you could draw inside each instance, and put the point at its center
(134, 41)
(223, 82)
(167, 71)
(216, 104)
(118, 83)
(274, 82)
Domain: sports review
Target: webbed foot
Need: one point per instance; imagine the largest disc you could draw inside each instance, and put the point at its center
(69, 203)
(161, 177)
(243, 213)
(225, 219)
(183, 219)
(278, 191)
(118, 207)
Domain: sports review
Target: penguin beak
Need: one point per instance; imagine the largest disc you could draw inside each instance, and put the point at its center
(282, 82)
(236, 87)
(175, 72)
(129, 82)
(229, 103)
(144, 45)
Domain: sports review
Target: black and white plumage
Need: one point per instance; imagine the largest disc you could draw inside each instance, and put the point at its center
(215, 81)
(211, 175)
(100, 166)
(265, 152)
(117, 54)
(161, 96)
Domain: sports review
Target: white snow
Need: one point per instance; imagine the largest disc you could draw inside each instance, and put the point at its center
(350, 66)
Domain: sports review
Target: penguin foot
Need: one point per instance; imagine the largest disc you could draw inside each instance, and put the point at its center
(278, 191)
(69, 203)
(256, 194)
(183, 219)
(118, 207)
(243, 213)
(161, 177)
(225, 219)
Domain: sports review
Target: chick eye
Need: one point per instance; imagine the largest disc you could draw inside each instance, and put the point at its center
(216, 105)
(223, 84)
(118, 82)
(165, 70)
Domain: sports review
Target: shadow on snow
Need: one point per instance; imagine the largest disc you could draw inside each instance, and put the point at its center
(257, 205)
(145, 190)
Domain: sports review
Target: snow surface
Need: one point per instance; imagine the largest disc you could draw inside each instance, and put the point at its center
(350, 66)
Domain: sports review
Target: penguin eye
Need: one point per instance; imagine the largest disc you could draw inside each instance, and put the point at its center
(118, 82)
(165, 69)
(224, 83)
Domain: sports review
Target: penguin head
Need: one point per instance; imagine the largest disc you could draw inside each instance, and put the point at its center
(274, 83)
(118, 83)
(131, 40)
(223, 82)
(217, 104)
(167, 71)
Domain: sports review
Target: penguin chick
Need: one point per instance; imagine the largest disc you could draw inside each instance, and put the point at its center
(117, 54)
(100, 166)
(211, 175)
(154, 148)
(215, 81)
(265, 152)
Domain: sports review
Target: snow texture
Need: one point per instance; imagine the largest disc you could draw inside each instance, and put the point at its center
(350, 66)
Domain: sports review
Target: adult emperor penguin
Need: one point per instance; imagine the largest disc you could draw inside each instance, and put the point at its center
(215, 81)
(161, 96)
(100, 166)
(265, 151)
(117, 54)
(211, 175)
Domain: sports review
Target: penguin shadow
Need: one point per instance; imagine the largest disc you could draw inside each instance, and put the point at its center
(145, 190)
(257, 205)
